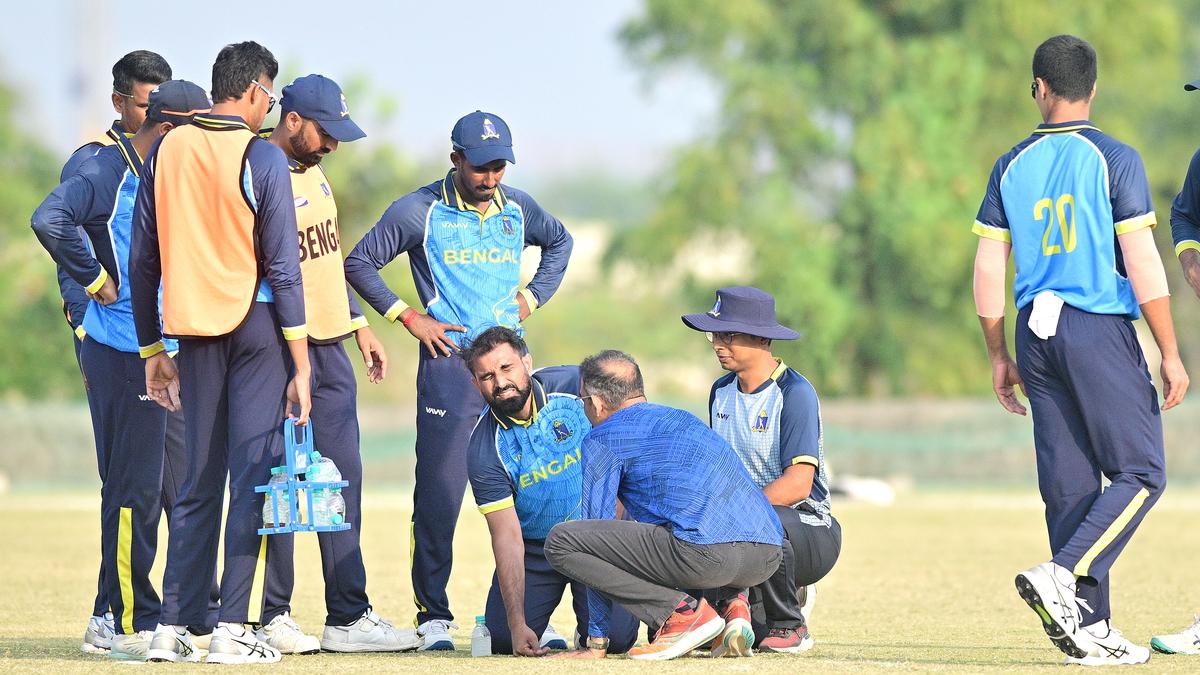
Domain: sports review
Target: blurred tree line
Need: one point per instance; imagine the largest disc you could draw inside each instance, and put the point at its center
(852, 147)
(849, 154)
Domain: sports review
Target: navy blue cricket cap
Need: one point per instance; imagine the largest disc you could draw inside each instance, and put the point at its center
(320, 99)
(483, 138)
(741, 309)
(177, 101)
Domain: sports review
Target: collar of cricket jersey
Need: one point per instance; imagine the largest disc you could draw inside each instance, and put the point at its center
(117, 131)
(451, 196)
(213, 122)
(539, 401)
(130, 154)
(1065, 127)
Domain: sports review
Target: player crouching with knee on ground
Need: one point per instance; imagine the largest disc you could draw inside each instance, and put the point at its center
(694, 518)
(771, 416)
(524, 466)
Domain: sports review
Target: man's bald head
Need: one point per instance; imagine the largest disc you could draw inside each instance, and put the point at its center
(613, 377)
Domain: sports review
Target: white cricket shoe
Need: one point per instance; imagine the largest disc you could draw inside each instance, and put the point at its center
(1049, 590)
(172, 643)
(436, 634)
(284, 634)
(1186, 641)
(97, 639)
(132, 646)
(370, 633)
(235, 644)
(552, 639)
(1111, 648)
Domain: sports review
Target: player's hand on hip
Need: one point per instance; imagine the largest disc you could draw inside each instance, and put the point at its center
(107, 293)
(523, 310)
(432, 334)
(1175, 382)
(1190, 260)
(1005, 379)
(373, 354)
(526, 643)
(162, 382)
(299, 394)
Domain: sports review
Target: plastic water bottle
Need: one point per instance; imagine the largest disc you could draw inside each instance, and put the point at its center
(322, 470)
(279, 497)
(336, 507)
(481, 638)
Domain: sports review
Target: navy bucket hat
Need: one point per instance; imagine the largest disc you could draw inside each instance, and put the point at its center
(741, 309)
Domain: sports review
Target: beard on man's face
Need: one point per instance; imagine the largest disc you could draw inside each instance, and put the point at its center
(505, 403)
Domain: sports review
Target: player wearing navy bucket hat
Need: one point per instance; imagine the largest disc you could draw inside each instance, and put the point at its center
(771, 416)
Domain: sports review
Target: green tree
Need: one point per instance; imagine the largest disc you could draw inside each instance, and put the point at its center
(852, 146)
(36, 360)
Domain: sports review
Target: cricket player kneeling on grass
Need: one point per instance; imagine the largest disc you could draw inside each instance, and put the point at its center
(695, 519)
(525, 471)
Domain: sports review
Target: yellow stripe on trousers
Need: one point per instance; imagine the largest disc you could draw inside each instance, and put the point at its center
(412, 557)
(254, 611)
(1118, 526)
(125, 567)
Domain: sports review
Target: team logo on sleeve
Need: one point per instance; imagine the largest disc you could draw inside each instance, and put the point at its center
(760, 423)
(561, 431)
(325, 189)
(489, 130)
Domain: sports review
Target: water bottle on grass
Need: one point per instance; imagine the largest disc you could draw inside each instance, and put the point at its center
(481, 638)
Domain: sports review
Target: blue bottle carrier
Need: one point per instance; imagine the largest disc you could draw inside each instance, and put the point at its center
(296, 454)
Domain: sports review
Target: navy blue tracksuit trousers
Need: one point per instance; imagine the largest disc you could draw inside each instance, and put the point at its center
(448, 405)
(544, 587)
(100, 605)
(233, 390)
(335, 435)
(129, 429)
(1095, 413)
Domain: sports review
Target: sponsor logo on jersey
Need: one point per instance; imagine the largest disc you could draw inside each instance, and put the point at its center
(435, 411)
(300, 201)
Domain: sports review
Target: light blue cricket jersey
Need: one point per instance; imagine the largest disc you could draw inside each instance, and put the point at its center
(1061, 197)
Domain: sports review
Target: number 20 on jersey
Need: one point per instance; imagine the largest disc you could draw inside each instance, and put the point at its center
(1057, 212)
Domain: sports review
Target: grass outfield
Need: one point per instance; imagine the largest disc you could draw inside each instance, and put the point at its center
(924, 585)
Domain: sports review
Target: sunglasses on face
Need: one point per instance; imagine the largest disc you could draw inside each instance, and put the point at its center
(721, 337)
(270, 96)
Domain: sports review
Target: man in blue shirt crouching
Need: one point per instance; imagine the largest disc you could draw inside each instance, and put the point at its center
(693, 518)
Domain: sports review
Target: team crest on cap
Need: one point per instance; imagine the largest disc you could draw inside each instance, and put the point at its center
(716, 310)
(760, 423)
(561, 431)
(345, 107)
(489, 130)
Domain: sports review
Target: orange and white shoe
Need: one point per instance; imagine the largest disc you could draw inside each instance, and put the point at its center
(737, 639)
(681, 634)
